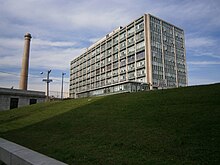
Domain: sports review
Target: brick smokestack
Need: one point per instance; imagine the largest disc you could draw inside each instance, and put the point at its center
(25, 62)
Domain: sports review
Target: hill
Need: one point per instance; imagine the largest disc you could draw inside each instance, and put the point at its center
(173, 126)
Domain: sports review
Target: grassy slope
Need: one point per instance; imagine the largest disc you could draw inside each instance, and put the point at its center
(177, 126)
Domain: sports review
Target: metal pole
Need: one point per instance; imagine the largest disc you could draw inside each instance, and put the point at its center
(48, 85)
(48, 80)
(62, 86)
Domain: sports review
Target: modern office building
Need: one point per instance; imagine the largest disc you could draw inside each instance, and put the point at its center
(149, 53)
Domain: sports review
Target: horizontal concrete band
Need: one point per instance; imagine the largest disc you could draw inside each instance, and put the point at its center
(14, 154)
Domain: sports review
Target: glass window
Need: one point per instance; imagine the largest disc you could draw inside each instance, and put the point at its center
(109, 67)
(131, 67)
(131, 40)
(131, 49)
(122, 70)
(141, 72)
(130, 31)
(115, 65)
(141, 64)
(122, 53)
(115, 79)
(115, 72)
(139, 35)
(123, 45)
(131, 59)
(122, 62)
(123, 35)
(115, 57)
(140, 55)
(140, 45)
(131, 75)
(115, 48)
(123, 77)
(139, 26)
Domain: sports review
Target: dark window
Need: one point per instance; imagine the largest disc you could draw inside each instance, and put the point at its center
(14, 103)
(33, 101)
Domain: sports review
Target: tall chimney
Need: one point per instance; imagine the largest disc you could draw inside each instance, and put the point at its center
(25, 62)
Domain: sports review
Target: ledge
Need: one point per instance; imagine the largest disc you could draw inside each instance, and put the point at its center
(14, 154)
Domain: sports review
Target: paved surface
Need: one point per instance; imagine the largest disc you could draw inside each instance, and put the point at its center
(14, 154)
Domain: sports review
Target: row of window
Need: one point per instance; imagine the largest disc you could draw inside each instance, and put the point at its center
(122, 54)
(139, 76)
(87, 67)
(131, 67)
(139, 27)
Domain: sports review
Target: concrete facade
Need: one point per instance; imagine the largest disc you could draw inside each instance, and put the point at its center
(148, 51)
(13, 98)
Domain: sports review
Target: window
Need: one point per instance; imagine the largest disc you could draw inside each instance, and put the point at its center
(109, 52)
(115, 65)
(109, 60)
(122, 70)
(108, 81)
(140, 45)
(109, 67)
(115, 79)
(115, 72)
(103, 70)
(141, 72)
(115, 57)
(139, 36)
(14, 103)
(98, 50)
(140, 26)
(102, 62)
(123, 35)
(140, 55)
(123, 45)
(131, 50)
(130, 31)
(122, 54)
(103, 47)
(131, 40)
(131, 67)
(115, 48)
(97, 65)
(131, 59)
(123, 77)
(98, 57)
(131, 75)
(109, 44)
(122, 62)
(115, 40)
(102, 55)
(141, 64)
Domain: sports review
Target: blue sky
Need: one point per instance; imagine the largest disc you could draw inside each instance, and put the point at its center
(63, 29)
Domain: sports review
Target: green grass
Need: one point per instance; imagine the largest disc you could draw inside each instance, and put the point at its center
(175, 126)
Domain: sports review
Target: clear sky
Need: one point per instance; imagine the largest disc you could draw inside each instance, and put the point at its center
(63, 29)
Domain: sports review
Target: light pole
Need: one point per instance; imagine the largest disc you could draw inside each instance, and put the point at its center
(47, 80)
(62, 86)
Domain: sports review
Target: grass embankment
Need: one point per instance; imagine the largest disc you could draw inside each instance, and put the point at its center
(176, 126)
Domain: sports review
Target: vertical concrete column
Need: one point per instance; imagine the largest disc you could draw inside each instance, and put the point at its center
(25, 62)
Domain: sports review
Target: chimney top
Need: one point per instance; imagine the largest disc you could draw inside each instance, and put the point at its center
(28, 35)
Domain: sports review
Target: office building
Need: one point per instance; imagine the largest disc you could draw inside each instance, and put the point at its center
(147, 54)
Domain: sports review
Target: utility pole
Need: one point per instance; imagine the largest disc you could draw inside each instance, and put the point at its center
(48, 80)
(62, 86)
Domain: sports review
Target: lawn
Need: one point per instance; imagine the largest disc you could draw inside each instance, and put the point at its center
(174, 126)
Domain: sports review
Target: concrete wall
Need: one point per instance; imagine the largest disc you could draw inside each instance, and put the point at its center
(14, 154)
(23, 96)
